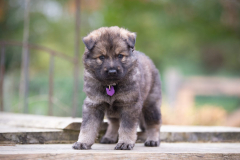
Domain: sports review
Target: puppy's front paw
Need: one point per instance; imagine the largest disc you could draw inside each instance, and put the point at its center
(106, 140)
(124, 146)
(152, 143)
(80, 146)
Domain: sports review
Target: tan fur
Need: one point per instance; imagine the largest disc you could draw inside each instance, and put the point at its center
(137, 90)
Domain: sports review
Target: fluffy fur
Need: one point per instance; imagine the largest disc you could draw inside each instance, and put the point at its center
(137, 85)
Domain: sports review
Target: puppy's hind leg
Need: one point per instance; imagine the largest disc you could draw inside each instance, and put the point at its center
(152, 116)
(142, 136)
(112, 131)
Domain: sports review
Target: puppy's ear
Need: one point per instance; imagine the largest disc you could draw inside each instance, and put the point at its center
(89, 42)
(131, 39)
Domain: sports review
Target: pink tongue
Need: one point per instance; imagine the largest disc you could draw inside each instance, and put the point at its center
(111, 91)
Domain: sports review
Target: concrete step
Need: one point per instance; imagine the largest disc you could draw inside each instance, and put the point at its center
(33, 129)
(100, 151)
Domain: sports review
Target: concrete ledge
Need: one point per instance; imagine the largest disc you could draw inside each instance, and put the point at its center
(33, 129)
(37, 121)
(100, 151)
(38, 137)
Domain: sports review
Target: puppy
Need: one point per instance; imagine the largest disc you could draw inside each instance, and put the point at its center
(122, 84)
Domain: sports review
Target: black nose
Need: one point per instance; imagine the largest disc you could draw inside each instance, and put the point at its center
(112, 72)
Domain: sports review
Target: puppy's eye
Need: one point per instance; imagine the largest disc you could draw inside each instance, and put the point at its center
(101, 57)
(120, 56)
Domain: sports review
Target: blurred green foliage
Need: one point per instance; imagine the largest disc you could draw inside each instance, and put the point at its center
(230, 104)
(198, 37)
(180, 33)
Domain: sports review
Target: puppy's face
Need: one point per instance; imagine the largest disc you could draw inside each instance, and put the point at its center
(109, 53)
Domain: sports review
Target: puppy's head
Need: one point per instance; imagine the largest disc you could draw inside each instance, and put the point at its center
(109, 53)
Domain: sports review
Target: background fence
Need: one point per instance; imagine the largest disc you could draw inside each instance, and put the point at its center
(52, 53)
(24, 83)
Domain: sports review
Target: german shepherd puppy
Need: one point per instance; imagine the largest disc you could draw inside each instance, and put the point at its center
(122, 84)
